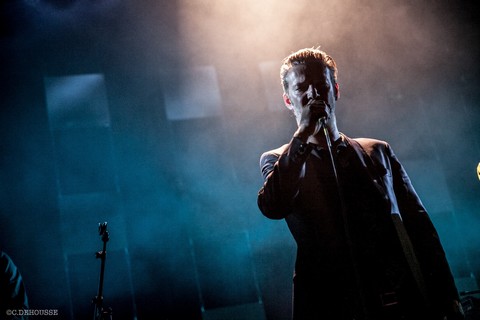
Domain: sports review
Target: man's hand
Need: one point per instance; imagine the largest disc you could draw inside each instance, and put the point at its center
(311, 114)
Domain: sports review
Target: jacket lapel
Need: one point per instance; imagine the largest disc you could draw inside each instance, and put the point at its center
(368, 165)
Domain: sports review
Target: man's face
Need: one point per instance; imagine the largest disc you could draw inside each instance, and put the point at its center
(309, 81)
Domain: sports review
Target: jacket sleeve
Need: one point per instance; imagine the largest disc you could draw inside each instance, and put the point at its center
(423, 235)
(282, 170)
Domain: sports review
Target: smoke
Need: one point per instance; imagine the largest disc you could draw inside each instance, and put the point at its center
(408, 74)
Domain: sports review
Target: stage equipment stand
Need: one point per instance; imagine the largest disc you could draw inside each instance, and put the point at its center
(346, 227)
(100, 313)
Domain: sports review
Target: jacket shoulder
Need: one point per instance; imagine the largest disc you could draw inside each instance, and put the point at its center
(370, 142)
(275, 152)
(370, 145)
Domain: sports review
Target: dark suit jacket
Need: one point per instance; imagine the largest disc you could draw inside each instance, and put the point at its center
(284, 171)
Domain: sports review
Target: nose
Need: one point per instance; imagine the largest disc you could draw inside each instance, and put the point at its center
(312, 92)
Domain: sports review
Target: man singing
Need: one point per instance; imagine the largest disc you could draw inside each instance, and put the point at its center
(366, 248)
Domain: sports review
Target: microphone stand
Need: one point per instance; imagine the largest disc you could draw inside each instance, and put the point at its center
(100, 313)
(345, 219)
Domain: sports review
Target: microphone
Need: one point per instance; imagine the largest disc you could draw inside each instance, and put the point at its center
(317, 100)
(323, 120)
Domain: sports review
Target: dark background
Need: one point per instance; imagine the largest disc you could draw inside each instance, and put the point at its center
(179, 194)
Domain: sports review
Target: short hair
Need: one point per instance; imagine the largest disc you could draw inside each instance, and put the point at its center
(304, 56)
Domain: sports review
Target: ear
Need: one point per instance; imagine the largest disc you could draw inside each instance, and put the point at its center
(287, 101)
(336, 91)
